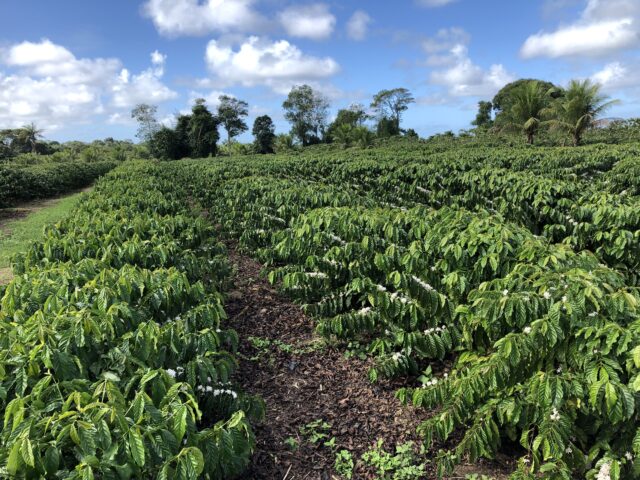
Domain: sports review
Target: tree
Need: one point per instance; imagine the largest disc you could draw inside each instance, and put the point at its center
(165, 144)
(527, 104)
(306, 110)
(354, 116)
(231, 112)
(502, 100)
(29, 135)
(412, 134)
(202, 131)
(343, 134)
(391, 103)
(578, 108)
(145, 115)
(283, 143)
(264, 134)
(483, 117)
(387, 127)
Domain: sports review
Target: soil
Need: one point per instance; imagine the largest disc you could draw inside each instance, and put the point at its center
(303, 380)
(6, 275)
(7, 215)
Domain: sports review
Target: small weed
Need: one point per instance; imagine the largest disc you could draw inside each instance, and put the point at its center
(401, 466)
(344, 464)
(316, 431)
(292, 443)
(264, 346)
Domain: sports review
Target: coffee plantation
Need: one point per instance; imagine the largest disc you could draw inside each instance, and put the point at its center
(498, 285)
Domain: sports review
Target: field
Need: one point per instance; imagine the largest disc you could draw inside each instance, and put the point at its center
(487, 297)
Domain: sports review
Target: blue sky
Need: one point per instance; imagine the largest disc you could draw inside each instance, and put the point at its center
(76, 68)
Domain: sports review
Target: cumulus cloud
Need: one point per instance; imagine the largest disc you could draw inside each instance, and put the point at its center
(442, 46)
(261, 62)
(604, 27)
(464, 78)
(147, 87)
(434, 3)
(448, 52)
(193, 17)
(617, 75)
(358, 25)
(46, 84)
(308, 21)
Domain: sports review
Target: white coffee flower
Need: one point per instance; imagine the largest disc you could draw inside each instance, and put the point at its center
(605, 472)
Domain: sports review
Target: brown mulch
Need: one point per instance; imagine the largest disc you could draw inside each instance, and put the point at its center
(302, 387)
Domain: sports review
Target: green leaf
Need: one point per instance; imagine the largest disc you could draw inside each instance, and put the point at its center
(136, 446)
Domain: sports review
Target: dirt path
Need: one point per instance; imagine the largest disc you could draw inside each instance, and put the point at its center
(7, 215)
(310, 383)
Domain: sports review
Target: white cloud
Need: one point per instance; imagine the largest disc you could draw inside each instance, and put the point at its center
(278, 65)
(445, 40)
(308, 21)
(464, 78)
(604, 27)
(193, 17)
(48, 85)
(447, 51)
(434, 3)
(616, 75)
(146, 87)
(358, 25)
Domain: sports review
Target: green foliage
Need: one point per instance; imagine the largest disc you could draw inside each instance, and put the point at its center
(403, 465)
(148, 125)
(115, 361)
(18, 184)
(344, 464)
(316, 431)
(231, 114)
(527, 104)
(307, 112)
(390, 105)
(164, 144)
(502, 101)
(264, 134)
(518, 266)
(483, 117)
(581, 104)
(195, 135)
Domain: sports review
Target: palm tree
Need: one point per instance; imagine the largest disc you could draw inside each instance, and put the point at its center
(29, 135)
(578, 109)
(343, 135)
(528, 103)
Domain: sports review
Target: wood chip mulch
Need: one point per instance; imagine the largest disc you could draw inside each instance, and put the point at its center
(301, 387)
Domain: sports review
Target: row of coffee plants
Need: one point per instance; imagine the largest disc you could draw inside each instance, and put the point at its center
(21, 183)
(452, 270)
(587, 211)
(114, 359)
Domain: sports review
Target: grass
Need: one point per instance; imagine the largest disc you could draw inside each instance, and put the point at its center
(16, 234)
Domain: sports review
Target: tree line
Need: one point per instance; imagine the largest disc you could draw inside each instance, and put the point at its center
(530, 106)
(196, 134)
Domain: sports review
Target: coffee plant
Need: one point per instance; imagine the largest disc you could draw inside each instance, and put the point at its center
(511, 274)
(114, 360)
(19, 183)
